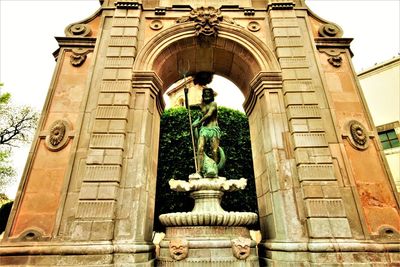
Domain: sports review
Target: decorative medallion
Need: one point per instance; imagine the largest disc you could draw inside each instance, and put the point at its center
(81, 30)
(57, 137)
(357, 135)
(241, 248)
(78, 56)
(156, 24)
(206, 20)
(329, 30)
(178, 249)
(253, 26)
(336, 61)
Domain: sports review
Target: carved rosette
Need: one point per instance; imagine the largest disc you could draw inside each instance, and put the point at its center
(156, 25)
(178, 249)
(79, 30)
(57, 137)
(329, 30)
(357, 135)
(253, 26)
(241, 248)
(206, 19)
(78, 56)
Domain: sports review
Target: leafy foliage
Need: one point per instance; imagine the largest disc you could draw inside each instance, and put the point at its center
(176, 160)
(5, 210)
(17, 124)
(7, 172)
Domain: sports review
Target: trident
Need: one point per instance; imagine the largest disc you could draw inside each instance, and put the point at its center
(184, 72)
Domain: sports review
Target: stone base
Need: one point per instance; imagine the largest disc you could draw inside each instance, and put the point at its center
(77, 254)
(207, 246)
(329, 254)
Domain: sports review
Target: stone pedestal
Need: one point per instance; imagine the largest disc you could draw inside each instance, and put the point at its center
(208, 235)
(208, 246)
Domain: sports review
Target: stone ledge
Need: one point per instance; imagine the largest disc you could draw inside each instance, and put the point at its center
(72, 248)
(323, 246)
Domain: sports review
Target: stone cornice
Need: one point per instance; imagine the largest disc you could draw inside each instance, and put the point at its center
(333, 43)
(84, 42)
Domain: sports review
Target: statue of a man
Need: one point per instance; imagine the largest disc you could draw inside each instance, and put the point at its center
(209, 131)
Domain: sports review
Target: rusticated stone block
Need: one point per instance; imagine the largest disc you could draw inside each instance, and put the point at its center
(293, 74)
(283, 32)
(124, 31)
(95, 209)
(115, 86)
(288, 41)
(125, 22)
(331, 191)
(306, 125)
(123, 41)
(102, 230)
(107, 141)
(329, 227)
(317, 172)
(107, 191)
(119, 61)
(113, 156)
(118, 112)
(128, 52)
(290, 63)
(312, 191)
(290, 52)
(282, 23)
(102, 173)
(319, 228)
(89, 191)
(340, 227)
(300, 111)
(313, 155)
(325, 208)
(81, 231)
(309, 140)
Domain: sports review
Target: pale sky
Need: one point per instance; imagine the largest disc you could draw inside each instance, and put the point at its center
(27, 30)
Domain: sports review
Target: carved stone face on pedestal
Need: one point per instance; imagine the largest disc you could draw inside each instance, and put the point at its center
(179, 249)
(241, 248)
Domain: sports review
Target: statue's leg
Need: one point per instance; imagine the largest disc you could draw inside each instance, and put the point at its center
(214, 148)
(200, 154)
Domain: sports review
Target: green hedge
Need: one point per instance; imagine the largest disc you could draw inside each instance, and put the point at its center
(176, 161)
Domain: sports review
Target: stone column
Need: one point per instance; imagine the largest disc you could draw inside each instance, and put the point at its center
(136, 201)
(96, 207)
(324, 209)
(274, 165)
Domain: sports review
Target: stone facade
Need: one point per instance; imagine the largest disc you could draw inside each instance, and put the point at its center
(87, 197)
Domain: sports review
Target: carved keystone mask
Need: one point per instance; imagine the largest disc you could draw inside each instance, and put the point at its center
(241, 248)
(178, 249)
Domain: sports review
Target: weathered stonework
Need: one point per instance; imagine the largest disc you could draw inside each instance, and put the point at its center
(324, 193)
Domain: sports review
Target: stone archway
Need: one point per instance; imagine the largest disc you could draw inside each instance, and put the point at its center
(252, 66)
